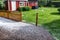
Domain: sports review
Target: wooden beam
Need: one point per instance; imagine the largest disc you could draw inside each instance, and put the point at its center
(36, 19)
(20, 16)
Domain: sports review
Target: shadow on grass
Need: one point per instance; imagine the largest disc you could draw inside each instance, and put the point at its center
(53, 25)
(54, 28)
(56, 13)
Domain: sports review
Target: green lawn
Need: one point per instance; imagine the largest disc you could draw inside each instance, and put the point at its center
(48, 17)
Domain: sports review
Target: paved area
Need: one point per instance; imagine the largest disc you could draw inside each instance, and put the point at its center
(5, 20)
(10, 24)
(11, 30)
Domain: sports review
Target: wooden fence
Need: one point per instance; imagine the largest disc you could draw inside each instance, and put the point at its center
(11, 15)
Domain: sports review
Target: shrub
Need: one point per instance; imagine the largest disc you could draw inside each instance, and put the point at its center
(52, 5)
(27, 8)
(59, 10)
(20, 9)
(23, 8)
(2, 7)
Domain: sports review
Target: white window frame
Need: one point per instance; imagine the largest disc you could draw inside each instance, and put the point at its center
(21, 4)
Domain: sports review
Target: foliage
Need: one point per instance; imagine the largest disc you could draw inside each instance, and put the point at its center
(23, 9)
(41, 3)
(56, 3)
(19, 9)
(55, 0)
(44, 2)
(48, 3)
(59, 10)
(52, 5)
(1, 7)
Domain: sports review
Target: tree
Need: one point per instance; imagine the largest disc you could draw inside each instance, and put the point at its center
(1, 6)
(43, 2)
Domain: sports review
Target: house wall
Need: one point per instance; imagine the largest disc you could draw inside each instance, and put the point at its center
(11, 5)
(24, 3)
(31, 4)
(17, 4)
(14, 4)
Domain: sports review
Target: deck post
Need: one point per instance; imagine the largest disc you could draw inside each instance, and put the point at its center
(20, 16)
(36, 19)
(7, 14)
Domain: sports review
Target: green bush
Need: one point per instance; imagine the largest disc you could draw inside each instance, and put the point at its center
(52, 5)
(1, 7)
(23, 9)
(27, 8)
(20, 9)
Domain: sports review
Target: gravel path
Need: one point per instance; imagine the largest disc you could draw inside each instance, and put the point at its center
(11, 30)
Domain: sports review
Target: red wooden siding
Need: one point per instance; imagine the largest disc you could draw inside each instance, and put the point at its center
(17, 4)
(26, 3)
(10, 6)
(33, 4)
(30, 5)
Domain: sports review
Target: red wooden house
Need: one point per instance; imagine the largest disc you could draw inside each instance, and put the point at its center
(12, 5)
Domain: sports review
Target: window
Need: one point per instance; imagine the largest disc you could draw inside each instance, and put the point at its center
(21, 4)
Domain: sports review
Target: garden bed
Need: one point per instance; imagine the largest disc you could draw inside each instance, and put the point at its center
(11, 15)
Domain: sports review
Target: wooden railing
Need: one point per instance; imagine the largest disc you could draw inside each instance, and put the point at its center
(11, 15)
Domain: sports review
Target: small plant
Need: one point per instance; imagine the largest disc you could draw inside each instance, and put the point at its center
(23, 9)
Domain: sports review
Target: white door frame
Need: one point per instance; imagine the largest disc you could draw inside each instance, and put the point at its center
(13, 3)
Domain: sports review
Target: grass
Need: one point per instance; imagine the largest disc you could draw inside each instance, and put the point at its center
(48, 17)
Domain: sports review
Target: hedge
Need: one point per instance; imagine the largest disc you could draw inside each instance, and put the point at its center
(23, 8)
